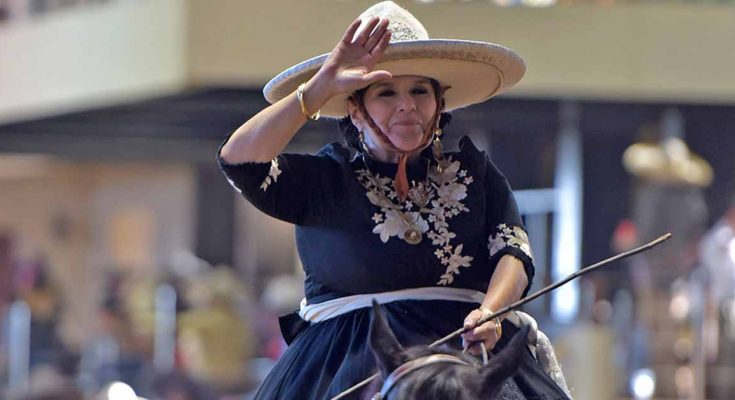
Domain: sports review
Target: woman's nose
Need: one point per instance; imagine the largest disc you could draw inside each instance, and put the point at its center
(407, 103)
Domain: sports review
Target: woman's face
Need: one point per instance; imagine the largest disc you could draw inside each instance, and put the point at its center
(402, 107)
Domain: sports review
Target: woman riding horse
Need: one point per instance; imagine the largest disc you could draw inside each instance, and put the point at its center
(435, 237)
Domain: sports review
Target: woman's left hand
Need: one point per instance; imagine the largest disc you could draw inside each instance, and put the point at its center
(486, 333)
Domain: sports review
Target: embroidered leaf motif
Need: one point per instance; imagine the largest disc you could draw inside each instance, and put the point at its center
(448, 174)
(507, 236)
(457, 260)
(446, 279)
(453, 192)
(273, 173)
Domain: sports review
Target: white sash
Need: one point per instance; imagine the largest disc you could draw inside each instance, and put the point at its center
(332, 308)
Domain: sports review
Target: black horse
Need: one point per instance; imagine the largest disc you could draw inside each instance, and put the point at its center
(438, 373)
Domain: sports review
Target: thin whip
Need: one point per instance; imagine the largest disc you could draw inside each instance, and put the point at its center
(523, 301)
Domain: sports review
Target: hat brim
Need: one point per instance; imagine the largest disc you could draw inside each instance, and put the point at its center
(474, 71)
(650, 162)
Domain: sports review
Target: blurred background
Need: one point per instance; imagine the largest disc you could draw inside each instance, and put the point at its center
(129, 268)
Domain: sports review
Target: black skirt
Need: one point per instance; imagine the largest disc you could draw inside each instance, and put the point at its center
(328, 357)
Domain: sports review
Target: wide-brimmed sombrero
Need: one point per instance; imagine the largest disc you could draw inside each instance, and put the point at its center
(668, 162)
(474, 71)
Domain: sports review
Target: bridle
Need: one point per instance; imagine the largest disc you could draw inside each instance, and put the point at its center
(414, 365)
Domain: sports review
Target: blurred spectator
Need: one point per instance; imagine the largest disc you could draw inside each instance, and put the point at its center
(116, 351)
(215, 340)
(33, 286)
(281, 296)
(717, 254)
(7, 272)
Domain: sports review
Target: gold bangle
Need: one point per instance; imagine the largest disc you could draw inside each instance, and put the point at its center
(498, 326)
(300, 96)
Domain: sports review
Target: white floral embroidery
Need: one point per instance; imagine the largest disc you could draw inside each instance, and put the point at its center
(394, 225)
(272, 175)
(432, 207)
(507, 236)
(455, 261)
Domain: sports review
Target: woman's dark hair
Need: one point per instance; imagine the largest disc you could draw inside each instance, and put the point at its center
(352, 136)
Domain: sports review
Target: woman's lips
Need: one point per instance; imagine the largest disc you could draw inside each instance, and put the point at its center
(407, 123)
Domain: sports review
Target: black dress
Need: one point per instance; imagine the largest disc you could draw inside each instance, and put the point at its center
(350, 240)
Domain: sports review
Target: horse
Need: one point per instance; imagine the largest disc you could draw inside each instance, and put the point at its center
(443, 373)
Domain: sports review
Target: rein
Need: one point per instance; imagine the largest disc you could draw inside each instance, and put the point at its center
(511, 307)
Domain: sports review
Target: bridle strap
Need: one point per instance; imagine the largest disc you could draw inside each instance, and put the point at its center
(413, 365)
(400, 181)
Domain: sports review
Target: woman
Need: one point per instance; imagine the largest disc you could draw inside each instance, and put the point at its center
(435, 237)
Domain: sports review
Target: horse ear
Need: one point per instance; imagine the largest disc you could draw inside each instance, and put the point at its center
(504, 364)
(387, 350)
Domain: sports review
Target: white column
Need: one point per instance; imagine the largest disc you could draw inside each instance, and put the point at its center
(165, 337)
(19, 346)
(568, 223)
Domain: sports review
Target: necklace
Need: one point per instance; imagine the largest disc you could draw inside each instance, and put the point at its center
(420, 194)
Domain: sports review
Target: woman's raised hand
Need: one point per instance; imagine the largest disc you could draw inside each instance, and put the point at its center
(349, 66)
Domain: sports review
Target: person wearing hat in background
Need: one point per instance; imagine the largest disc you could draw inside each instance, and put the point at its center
(435, 237)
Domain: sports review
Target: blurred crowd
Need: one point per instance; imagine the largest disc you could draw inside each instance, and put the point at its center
(222, 338)
(668, 308)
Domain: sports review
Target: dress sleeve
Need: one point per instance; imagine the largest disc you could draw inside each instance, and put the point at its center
(296, 188)
(506, 234)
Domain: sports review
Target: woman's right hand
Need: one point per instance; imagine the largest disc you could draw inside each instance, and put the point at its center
(349, 65)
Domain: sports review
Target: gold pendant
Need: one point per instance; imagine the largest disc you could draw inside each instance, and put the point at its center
(412, 236)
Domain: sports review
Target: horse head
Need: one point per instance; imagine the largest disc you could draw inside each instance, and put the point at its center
(437, 373)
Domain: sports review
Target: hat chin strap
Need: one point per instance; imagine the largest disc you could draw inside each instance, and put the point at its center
(400, 181)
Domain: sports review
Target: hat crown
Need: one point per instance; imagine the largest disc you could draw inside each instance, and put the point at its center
(403, 25)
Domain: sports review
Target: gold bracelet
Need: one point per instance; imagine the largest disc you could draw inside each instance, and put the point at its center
(300, 96)
(498, 326)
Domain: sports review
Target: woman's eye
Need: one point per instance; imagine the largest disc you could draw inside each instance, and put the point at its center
(386, 93)
(420, 91)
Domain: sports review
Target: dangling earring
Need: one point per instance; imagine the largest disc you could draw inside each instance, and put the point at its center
(437, 149)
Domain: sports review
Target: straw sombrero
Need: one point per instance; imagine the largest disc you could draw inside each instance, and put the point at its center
(475, 71)
(669, 162)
